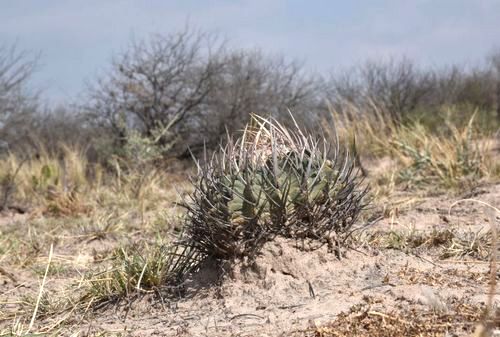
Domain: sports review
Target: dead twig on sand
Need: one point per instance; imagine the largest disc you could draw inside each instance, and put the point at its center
(9, 275)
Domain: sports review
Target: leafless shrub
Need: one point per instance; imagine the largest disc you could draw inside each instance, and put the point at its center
(397, 86)
(17, 104)
(159, 82)
(404, 91)
(192, 82)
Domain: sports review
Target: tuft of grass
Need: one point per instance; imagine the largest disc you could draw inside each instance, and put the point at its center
(410, 239)
(53, 183)
(131, 272)
(451, 243)
(449, 160)
(368, 132)
(476, 245)
(140, 269)
(451, 157)
(67, 185)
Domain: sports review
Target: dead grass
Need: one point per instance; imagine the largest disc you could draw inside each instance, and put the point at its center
(451, 158)
(43, 175)
(68, 186)
(87, 215)
(445, 243)
(364, 320)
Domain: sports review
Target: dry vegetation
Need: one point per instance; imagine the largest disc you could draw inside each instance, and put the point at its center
(109, 236)
(92, 239)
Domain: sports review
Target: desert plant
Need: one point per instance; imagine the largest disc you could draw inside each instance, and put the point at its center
(272, 181)
(446, 159)
(142, 269)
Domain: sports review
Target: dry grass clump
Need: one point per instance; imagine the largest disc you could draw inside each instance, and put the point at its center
(477, 245)
(140, 269)
(449, 160)
(450, 156)
(448, 242)
(408, 239)
(42, 180)
(67, 185)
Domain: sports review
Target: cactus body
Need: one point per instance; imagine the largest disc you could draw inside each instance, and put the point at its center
(272, 181)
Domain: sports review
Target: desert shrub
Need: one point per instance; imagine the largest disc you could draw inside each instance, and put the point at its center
(272, 181)
(193, 82)
(405, 91)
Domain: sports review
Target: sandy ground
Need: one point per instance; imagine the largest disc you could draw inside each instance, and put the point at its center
(291, 292)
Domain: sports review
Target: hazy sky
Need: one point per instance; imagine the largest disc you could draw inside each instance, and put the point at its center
(77, 38)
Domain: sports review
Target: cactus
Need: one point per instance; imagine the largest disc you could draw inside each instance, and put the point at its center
(271, 181)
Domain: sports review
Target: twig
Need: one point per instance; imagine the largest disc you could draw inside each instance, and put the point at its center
(291, 306)
(385, 316)
(378, 286)
(243, 315)
(41, 290)
(9, 275)
(311, 289)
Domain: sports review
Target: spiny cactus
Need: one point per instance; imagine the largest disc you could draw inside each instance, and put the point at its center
(271, 181)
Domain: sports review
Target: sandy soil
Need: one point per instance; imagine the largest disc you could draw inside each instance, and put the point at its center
(291, 292)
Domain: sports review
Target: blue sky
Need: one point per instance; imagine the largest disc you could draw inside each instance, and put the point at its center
(77, 39)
